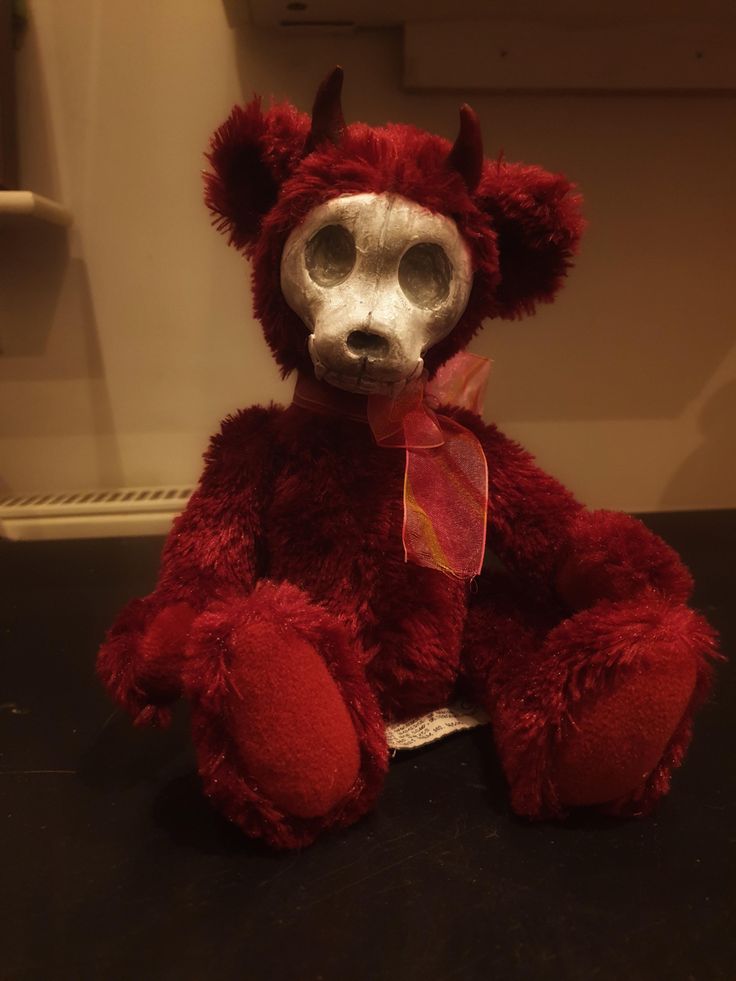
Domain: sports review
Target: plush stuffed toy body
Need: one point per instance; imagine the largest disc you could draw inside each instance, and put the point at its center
(326, 575)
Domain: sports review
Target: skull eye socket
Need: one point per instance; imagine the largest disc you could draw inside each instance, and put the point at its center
(330, 255)
(424, 274)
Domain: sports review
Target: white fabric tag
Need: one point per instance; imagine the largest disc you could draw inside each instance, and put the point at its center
(435, 725)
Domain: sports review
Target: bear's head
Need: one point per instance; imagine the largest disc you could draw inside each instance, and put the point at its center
(378, 251)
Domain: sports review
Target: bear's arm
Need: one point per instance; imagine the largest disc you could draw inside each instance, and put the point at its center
(212, 552)
(543, 534)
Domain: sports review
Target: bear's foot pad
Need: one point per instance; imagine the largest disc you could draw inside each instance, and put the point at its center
(289, 722)
(616, 737)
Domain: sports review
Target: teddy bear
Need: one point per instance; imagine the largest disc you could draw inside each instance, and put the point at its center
(329, 574)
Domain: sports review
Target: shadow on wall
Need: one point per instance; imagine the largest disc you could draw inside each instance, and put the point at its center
(34, 258)
(48, 334)
(53, 390)
(39, 169)
(654, 271)
(708, 471)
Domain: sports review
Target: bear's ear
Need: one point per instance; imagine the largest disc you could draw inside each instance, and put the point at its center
(251, 155)
(254, 152)
(536, 216)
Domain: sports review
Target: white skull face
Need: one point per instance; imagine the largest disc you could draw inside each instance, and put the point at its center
(378, 280)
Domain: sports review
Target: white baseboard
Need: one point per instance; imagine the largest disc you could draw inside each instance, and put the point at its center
(121, 512)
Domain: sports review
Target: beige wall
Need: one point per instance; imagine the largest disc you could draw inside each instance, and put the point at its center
(125, 340)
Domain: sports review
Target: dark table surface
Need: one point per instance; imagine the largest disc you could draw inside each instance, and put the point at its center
(114, 866)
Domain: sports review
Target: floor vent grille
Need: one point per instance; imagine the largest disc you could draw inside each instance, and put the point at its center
(91, 513)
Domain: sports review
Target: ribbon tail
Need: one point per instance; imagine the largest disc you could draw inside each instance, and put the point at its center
(446, 504)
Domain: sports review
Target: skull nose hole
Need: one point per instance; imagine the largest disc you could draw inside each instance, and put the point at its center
(365, 342)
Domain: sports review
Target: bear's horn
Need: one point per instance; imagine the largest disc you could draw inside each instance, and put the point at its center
(328, 124)
(466, 156)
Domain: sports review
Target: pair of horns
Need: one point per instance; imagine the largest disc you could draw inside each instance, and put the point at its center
(328, 126)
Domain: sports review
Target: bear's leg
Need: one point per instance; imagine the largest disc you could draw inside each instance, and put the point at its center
(415, 645)
(289, 737)
(595, 709)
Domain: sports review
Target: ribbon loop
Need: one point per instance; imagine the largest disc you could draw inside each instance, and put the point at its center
(406, 421)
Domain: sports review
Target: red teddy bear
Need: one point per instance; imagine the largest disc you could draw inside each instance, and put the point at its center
(326, 575)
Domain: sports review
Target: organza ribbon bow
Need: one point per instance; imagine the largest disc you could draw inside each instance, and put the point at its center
(446, 474)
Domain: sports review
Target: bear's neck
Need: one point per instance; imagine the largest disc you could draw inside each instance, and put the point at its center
(317, 396)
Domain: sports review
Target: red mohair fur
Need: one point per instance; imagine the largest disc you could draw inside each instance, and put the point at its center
(285, 611)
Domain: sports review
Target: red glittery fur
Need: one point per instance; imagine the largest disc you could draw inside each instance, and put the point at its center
(284, 609)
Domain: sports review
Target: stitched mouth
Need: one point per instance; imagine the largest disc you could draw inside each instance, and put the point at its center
(362, 375)
(362, 383)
